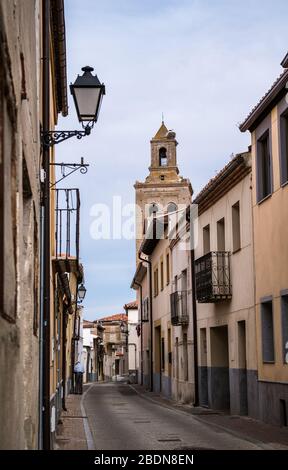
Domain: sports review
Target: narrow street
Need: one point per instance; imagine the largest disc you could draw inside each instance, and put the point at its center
(121, 419)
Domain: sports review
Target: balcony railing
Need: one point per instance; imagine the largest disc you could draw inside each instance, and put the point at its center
(67, 218)
(179, 311)
(213, 277)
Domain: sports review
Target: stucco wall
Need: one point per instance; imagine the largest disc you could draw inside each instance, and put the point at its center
(19, 344)
(222, 367)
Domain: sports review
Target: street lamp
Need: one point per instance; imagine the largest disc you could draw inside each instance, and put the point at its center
(81, 292)
(123, 328)
(87, 92)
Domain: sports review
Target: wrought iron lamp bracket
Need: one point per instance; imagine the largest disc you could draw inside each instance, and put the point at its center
(51, 138)
(82, 167)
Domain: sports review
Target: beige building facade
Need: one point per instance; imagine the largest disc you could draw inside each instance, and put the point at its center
(115, 339)
(224, 281)
(268, 126)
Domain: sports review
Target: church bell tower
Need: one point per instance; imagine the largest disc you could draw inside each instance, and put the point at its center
(163, 187)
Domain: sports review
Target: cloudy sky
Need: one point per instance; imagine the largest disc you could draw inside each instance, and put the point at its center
(203, 63)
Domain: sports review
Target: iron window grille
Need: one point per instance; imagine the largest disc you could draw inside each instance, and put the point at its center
(179, 310)
(67, 220)
(213, 283)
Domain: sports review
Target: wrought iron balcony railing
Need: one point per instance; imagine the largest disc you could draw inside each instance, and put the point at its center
(212, 273)
(179, 311)
(67, 220)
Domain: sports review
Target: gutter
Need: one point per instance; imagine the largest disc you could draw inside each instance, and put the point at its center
(267, 101)
(59, 46)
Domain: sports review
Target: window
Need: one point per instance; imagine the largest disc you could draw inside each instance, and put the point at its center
(184, 280)
(172, 218)
(267, 331)
(172, 207)
(264, 179)
(168, 268)
(221, 235)
(163, 157)
(206, 239)
(284, 147)
(145, 310)
(284, 313)
(153, 209)
(156, 286)
(236, 227)
(175, 283)
(162, 274)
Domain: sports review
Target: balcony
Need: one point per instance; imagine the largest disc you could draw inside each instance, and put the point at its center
(67, 219)
(179, 311)
(212, 273)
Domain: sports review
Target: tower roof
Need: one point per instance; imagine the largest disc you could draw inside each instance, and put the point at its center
(161, 133)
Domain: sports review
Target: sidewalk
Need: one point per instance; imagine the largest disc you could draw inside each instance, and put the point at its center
(241, 426)
(70, 433)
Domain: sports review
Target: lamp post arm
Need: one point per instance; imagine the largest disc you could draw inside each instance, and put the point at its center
(51, 138)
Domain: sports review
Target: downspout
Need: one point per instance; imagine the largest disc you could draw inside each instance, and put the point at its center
(46, 227)
(194, 315)
(64, 357)
(73, 340)
(151, 319)
(141, 323)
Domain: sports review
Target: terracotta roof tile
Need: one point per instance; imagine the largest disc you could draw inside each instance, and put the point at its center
(132, 305)
(116, 317)
(265, 100)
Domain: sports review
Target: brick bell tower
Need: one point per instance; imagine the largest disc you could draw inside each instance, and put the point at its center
(163, 186)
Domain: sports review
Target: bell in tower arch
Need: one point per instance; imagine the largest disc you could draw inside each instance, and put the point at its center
(162, 156)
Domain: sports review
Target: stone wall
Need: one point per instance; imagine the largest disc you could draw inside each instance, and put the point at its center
(20, 223)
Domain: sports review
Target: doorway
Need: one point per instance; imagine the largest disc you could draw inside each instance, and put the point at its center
(242, 372)
(158, 369)
(219, 387)
(203, 370)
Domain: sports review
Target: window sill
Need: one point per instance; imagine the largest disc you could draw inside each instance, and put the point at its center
(285, 184)
(236, 251)
(268, 362)
(264, 199)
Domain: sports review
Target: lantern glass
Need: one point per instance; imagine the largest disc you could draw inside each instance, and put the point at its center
(87, 92)
(81, 292)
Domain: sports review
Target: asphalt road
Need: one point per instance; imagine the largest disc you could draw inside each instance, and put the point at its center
(121, 419)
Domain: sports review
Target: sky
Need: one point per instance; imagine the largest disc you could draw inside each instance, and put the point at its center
(203, 63)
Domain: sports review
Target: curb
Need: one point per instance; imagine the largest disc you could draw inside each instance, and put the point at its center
(87, 430)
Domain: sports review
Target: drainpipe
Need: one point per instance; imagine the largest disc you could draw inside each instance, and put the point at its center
(46, 227)
(151, 319)
(64, 340)
(194, 315)
(141, 323)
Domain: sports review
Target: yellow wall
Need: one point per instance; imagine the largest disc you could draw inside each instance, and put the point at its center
(271, 253)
